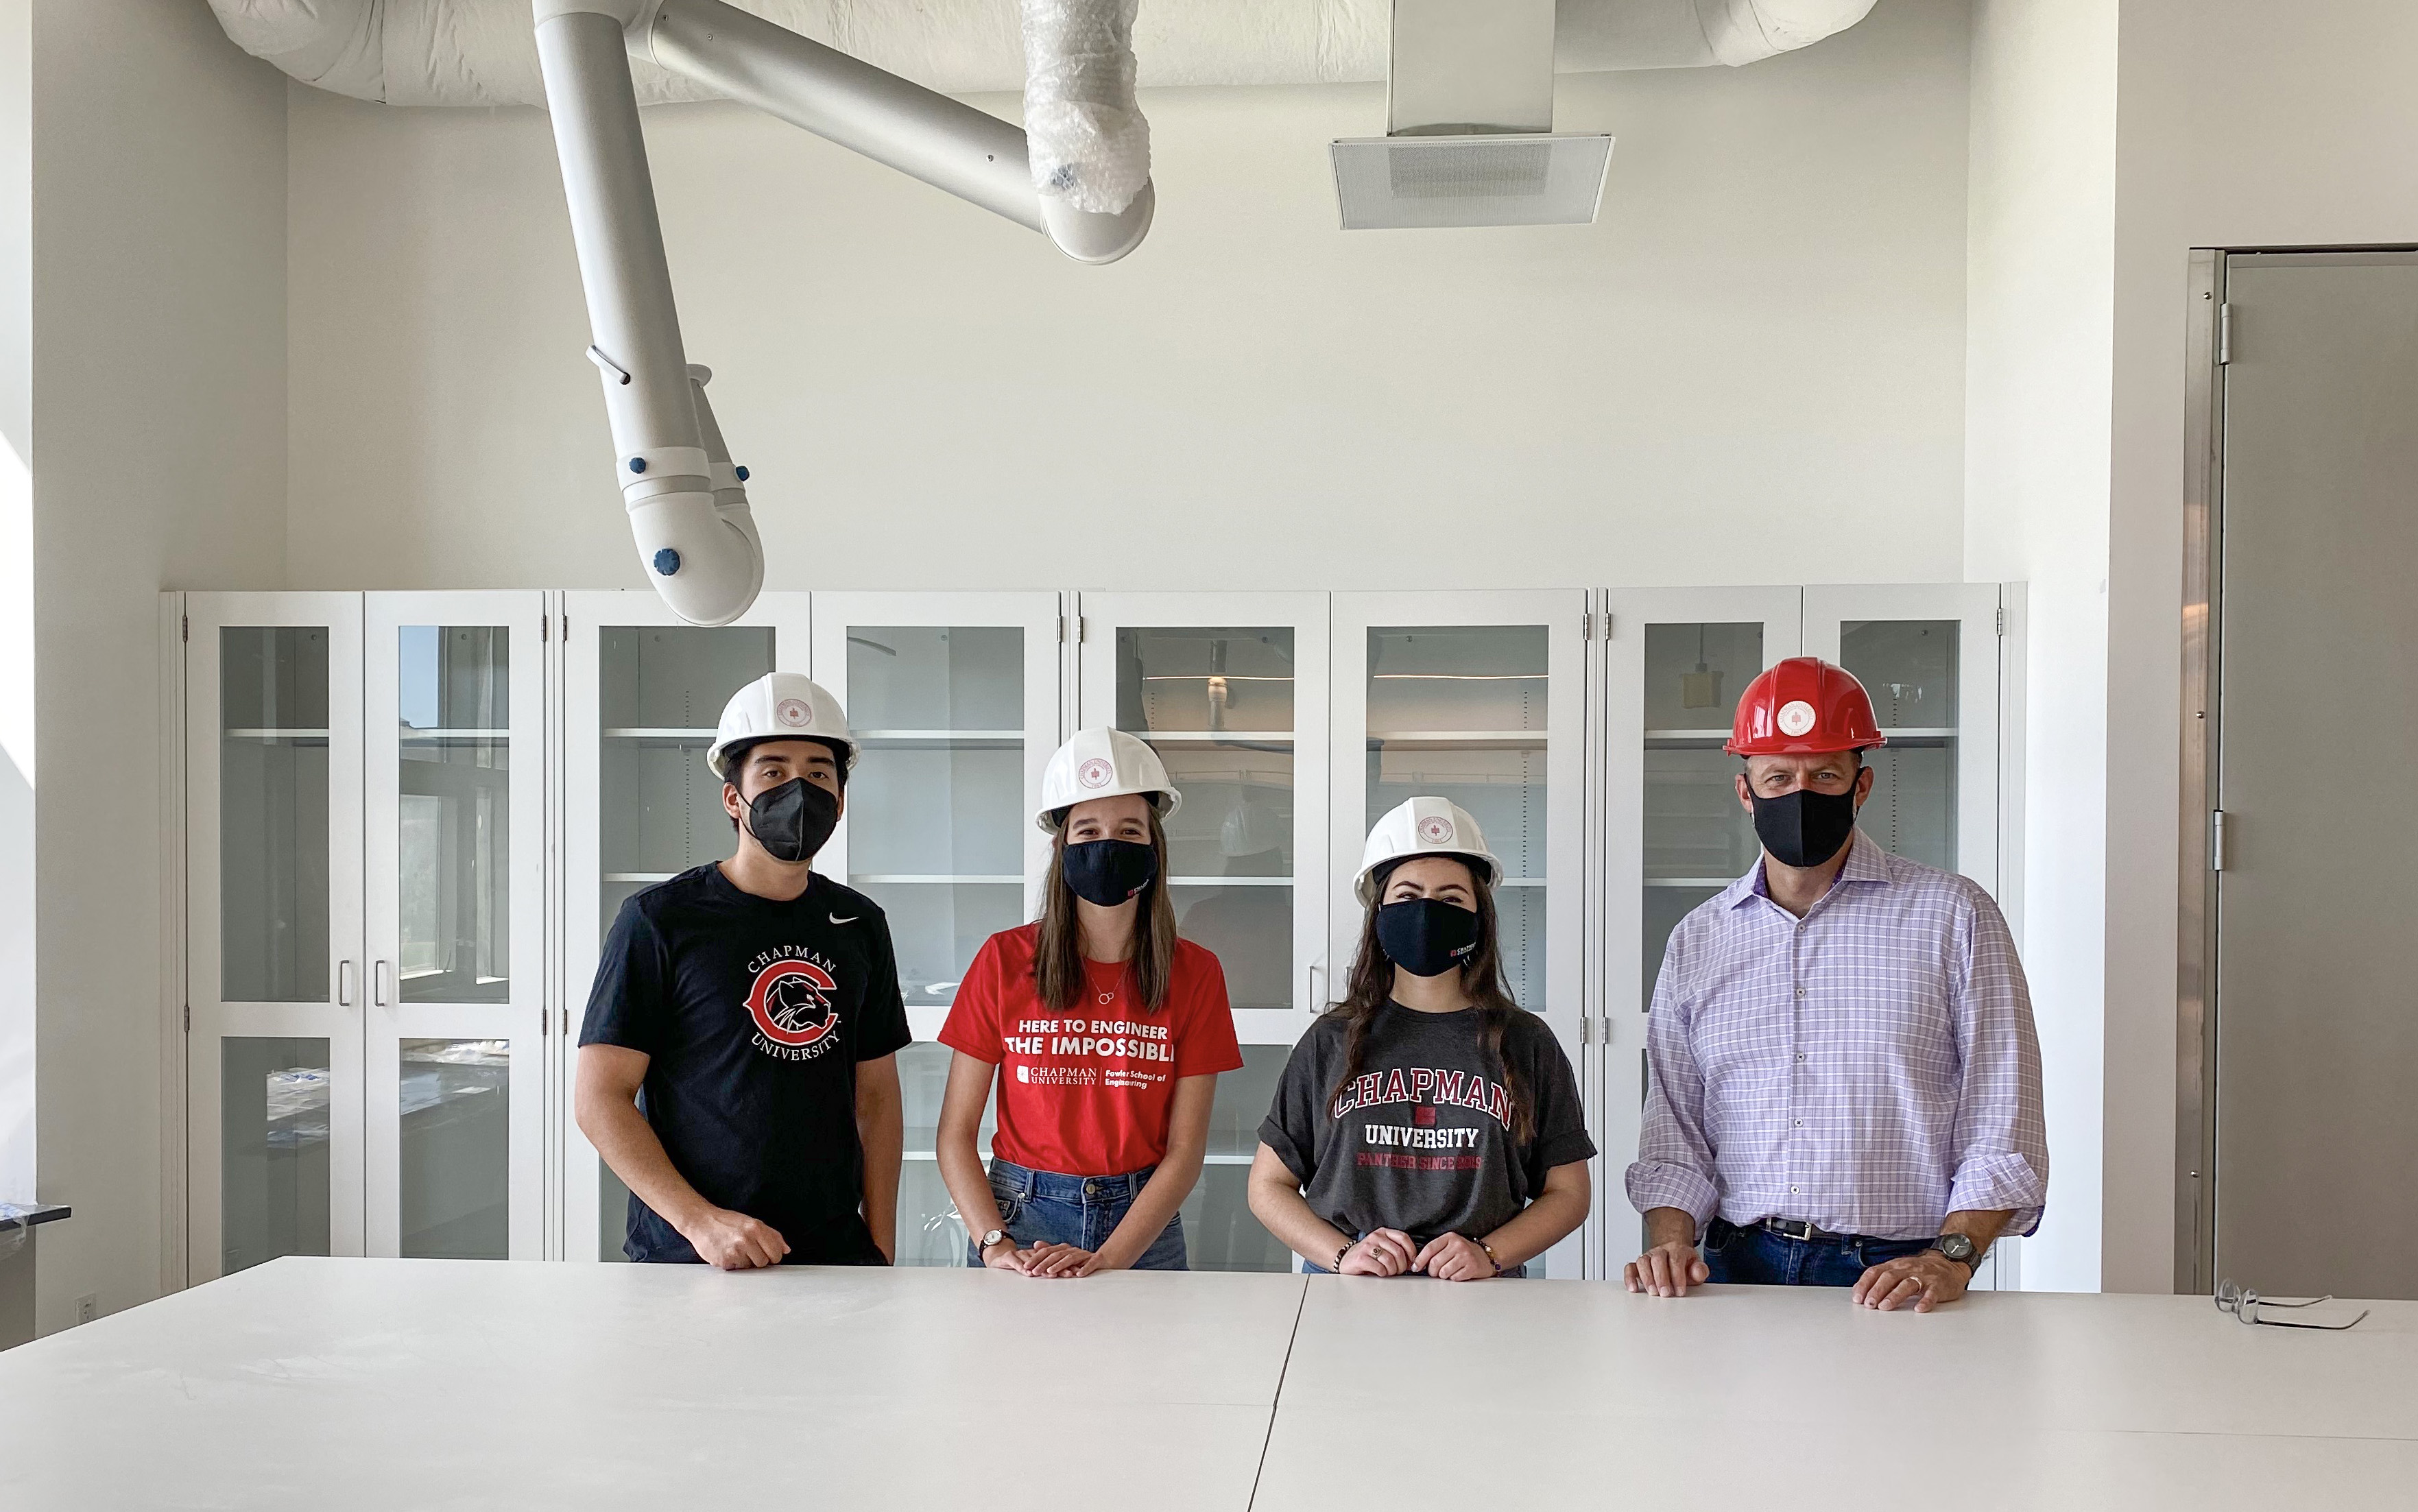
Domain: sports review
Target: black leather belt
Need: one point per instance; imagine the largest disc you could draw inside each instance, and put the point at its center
(1797, 1230)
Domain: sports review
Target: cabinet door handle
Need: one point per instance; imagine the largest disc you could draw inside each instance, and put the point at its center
(380, 976)
(1310, 980)
(344, 983)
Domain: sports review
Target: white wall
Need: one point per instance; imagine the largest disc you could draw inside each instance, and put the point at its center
(2039, 314)
(17, 765)
(1750, 371)
(2242, 124)
(159, 390)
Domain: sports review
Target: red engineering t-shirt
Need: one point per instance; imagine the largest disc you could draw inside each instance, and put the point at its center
(1089, 1091)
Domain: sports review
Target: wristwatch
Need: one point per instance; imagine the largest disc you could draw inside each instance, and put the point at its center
(982, 1247)
(1959, 1247)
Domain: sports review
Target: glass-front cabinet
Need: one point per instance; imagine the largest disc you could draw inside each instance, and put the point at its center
(273, 1085)
(642, 693)
(1480, 697)
(1928, 654)
(1231, 691)
(411, 818)
(1676, 661)
(954, 699)
(454, 871)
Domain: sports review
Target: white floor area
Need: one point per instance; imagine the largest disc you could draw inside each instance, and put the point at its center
(421, 1384)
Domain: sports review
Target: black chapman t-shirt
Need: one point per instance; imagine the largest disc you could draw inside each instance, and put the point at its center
(1421, 1139)
(755, 1015)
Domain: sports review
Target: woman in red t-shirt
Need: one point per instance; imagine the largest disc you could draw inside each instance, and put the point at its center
(1105, 1033)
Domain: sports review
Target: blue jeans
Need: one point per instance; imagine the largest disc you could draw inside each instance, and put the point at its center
(1758, 1256)
(1042, 1207)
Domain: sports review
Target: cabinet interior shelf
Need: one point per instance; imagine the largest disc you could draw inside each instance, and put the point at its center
(1903, 732)
(1463, 740)
(418, 736)
(275, 735)
(962, 739)
(637, 732)
(1690, 881)
(1242, 738)
(937, 879)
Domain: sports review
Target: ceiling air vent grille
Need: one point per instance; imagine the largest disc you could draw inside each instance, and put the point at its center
(1499, 180)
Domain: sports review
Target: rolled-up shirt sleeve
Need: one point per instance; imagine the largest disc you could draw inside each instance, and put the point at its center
(2002, 1155)
(1674, 1161)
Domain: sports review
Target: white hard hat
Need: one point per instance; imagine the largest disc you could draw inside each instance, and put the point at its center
(1424, 827)
(1251, 829)
(780, 706)
(1102, 763)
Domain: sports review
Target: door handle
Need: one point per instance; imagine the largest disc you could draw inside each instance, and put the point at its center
(381, 978)
(1311, 978)
(344, 983)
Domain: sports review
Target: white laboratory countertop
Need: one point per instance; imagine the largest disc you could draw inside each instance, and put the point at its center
(418, 1383)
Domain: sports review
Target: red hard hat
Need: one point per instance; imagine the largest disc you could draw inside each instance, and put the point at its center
(1802, 707)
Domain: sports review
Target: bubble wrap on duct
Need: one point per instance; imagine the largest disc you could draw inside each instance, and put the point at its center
(1090, 144)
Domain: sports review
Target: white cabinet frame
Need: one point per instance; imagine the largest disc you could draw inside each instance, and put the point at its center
(335, 1019)
(1036, 614)
(789, 616)
(1102, 614)
(520, 1020)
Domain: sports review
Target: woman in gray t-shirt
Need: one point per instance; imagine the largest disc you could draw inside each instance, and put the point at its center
(1425, 1125)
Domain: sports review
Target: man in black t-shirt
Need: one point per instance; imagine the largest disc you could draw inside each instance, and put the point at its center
(737, 1066)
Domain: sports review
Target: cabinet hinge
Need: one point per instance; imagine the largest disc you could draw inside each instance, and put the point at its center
(2216, 840)
(566, 630)
(1082, 629)
(2224, 334)
(1586, 1028)
(184, 627)
(189, 1018)
(1586, 625)
(1062, 630)
(545, 627)
(2002, 619)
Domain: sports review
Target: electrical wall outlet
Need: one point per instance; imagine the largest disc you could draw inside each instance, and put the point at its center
(87, 1307)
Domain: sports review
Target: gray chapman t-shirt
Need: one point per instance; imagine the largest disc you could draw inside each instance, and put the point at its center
(1421, 1140)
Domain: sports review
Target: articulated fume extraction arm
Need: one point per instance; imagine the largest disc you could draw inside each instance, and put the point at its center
(687, 503)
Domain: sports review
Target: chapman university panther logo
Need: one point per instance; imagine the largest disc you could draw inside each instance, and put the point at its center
(791, 1001)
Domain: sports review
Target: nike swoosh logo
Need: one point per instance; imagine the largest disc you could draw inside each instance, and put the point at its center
(851, 919)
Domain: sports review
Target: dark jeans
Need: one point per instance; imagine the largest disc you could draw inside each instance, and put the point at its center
(1758, 1256)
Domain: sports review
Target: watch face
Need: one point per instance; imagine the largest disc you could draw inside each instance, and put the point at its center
(1956, 1248)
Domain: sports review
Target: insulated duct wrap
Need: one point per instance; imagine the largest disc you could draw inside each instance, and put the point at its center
(1090, 144)
(480, 53)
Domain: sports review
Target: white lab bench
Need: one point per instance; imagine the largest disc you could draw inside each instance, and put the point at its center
(410, 1383)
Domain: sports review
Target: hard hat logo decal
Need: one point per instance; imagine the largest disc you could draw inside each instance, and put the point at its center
(1437, 829)
(796, 713)
(1796, 717)
(1098, 772)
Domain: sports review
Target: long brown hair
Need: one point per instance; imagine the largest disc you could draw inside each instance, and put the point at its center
(1058, 954)
(1372, 987)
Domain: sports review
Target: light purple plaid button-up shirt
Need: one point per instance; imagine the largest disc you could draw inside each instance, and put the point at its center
(1870, 1068)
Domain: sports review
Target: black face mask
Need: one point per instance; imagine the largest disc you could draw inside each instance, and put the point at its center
(1107, 872)
(1804, 827)
(792, 820)
(1426, 937)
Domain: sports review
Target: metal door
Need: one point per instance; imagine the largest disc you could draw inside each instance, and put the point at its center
(2315, 1006)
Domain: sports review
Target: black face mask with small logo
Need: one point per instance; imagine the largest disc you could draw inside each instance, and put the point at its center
(1804, 827)
(1426, 937)
(792, 820)
(1107, 872)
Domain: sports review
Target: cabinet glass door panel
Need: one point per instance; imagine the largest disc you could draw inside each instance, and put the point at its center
(930, 1232)
(1928, 655)
(642, 695)
(1231, 691)
(273, 880)
(272, 1148)
(954, 701)
(1676, 662)
(274, 952)
(454, 684)
(1220, 1232)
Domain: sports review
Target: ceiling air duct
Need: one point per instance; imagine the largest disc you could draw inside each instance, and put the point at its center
(1469, 126)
